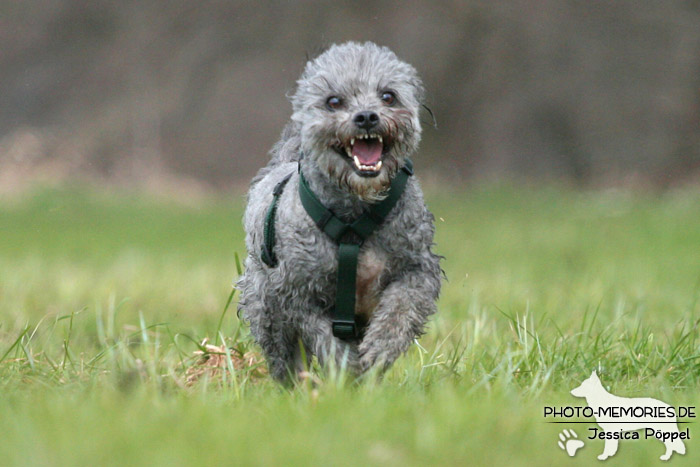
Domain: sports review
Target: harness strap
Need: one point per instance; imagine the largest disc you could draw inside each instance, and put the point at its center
(268, 253)
(343, 315)
(344, 312)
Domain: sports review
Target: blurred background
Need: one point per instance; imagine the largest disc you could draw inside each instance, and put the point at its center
(194, 92)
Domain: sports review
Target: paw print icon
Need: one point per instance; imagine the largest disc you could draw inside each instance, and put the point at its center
(569, 442)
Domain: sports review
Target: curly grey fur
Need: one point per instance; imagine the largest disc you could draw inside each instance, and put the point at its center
(399, 276)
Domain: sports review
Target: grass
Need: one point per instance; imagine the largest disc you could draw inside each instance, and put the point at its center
(105, 298)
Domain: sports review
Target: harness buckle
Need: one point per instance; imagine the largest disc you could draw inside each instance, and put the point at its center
(344, 329)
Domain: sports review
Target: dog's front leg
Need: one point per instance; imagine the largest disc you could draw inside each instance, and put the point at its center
(402, 311)
(317, 335)
(609, 450)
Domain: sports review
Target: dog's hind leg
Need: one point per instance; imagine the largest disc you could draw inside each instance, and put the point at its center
(667, 455)
(679, 446)
(673, 446)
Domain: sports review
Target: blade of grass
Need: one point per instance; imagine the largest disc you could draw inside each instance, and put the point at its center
(15, 343)
(223, 314)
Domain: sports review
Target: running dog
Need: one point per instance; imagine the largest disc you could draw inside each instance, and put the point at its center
(354, 126)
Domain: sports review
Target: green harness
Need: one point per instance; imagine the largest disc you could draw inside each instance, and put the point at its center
(349, 238)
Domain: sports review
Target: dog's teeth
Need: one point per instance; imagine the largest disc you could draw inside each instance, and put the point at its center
(349, 152)
(370, 168)
(352, 141)
(357, 162)
(380, 139)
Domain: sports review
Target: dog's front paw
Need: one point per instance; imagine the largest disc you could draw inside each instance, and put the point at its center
(375, 357)
(366, 362)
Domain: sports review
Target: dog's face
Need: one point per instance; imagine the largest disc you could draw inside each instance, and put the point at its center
(357, 110)
(588, 386)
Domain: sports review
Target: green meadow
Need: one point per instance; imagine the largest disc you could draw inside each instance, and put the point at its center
(108, 301)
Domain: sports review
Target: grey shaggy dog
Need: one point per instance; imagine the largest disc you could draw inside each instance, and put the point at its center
(355, 122)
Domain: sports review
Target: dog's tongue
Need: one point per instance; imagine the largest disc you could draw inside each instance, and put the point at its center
(368, 151)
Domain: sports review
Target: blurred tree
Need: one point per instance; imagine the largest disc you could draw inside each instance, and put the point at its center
(580, 90)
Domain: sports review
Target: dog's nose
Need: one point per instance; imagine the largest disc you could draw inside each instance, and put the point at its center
(366, 119)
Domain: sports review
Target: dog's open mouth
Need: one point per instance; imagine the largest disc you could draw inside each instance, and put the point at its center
(365, 153)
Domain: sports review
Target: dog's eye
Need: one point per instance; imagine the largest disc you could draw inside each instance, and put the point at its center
(334, 103)
(388, 97)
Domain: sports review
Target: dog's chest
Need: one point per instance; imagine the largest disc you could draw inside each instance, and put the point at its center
(370, 268)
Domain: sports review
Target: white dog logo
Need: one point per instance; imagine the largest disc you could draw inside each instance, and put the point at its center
(617, 415)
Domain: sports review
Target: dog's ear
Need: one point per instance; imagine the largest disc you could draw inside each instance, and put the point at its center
(432, 115)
